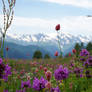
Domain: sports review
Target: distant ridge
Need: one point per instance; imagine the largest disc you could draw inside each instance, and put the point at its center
(20, 45)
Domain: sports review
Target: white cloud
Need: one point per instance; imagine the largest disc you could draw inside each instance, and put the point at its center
(33, 22)
(78, 3)
(78, 25)
(73, 25)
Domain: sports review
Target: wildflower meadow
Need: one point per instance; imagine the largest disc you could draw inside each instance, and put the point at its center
(70, 73)
(66, 74)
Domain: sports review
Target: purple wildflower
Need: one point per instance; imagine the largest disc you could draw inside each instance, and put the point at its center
(84, 53)
(88, 75)
(25, 84)
(89, 60)
(2, 69)
(39, 84)
(1, 60)
(86, 63)
(5, 90)
(82, 59)
(55, 89)
(61, 73)
(7, 72)
(72, 64)
(78, 72)
(81, 75)
(61, 66)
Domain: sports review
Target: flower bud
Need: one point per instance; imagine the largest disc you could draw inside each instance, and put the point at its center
(48, 85)
(48, 75)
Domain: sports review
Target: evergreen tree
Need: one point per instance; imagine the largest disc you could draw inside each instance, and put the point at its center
(82, 45)
(89, 46)
(46, 56)
(77, 48)
(37, 54)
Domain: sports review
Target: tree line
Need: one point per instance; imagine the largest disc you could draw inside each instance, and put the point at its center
(78, 47)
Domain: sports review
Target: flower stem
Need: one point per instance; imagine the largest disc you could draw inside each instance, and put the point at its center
(59, 43)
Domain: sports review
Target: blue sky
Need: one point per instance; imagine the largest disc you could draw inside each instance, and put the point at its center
(41, 16)
(36, 8)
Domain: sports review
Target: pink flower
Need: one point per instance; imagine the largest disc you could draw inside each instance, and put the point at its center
(57, 27)
(48, 85)
(28, 77)
(7, 49)
(48, 75)
(74, 51)
(22, 72)
(45, 69)
(36, 70)
(25, 84)
(56, 53)
(41, 66)
(69, 54)
(47, 65)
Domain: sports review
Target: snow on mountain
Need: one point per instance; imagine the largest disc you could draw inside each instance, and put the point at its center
(84, 39)
(66, 39)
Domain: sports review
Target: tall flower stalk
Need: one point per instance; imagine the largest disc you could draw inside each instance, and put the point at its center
(57, 29)
(8, 13)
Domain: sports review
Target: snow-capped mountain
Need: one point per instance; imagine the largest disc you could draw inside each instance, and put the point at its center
(48, 41)
(66, 39)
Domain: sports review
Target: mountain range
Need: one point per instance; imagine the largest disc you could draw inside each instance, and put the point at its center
(20, 45)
